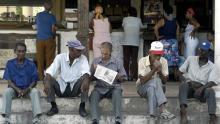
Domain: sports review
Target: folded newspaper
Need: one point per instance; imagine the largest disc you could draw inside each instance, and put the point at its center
(105, 74)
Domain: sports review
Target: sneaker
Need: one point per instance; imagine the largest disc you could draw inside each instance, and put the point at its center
(36, 120)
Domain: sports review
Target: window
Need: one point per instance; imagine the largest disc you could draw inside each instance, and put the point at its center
(19, 13)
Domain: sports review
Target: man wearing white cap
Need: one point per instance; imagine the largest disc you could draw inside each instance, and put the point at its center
(152, 72)
(68, 76)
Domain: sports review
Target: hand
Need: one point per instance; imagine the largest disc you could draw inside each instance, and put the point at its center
(192, 34)
(157, 65)
(141, 78)
(46, 88)
(199, 91)
(20, 93)
(85, 87)
(94, 66)
(119, 78)
(25, 91)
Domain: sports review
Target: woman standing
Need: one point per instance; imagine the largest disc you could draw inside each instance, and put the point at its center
(190, 40)
(131, 25)
(167, 31)
(101, 27)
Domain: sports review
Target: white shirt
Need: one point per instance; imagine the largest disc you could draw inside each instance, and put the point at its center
(132, 27)
(204, 74)
(144, 67)
(64, 73)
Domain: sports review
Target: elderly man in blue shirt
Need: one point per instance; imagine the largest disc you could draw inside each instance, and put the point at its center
(103, 89)
(22, 77)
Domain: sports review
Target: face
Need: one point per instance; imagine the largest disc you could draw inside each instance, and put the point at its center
(188, 15)
(98, 10)
(20, 52)
(106, 53)
(210, 37)
(203, 53)
(74, 53)
(155, 57)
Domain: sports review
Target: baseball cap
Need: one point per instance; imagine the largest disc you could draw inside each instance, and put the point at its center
(205, 45)
(156, 48)
(75, 44)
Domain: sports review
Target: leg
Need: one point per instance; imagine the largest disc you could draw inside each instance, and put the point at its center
(8, 95)
(147, 91)
(126, 57)
(95, 98)
(82, 82)
(134, 64)
(54, 89)
(50, 51)
(211, 100)
(40, 58)
(117, 101)
(35, 102)
(185, 91)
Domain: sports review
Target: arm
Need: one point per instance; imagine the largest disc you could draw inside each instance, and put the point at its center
(121, 76)
(177, 32)
(196, 25)
(148, 76)
(157, 27)
(13, 86)
(162, 77)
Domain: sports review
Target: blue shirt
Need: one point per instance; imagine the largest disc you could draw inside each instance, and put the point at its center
(22, 75)
(112, 64)
(44, 21)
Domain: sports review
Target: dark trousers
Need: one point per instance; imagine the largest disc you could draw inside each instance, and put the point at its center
(130, 61)
(45, 55)
(185, 91)
(76, 91)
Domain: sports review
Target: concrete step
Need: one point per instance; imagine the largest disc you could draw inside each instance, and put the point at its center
(130, 105)
(72, 118)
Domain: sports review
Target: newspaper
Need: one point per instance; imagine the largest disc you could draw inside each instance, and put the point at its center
(105, 74)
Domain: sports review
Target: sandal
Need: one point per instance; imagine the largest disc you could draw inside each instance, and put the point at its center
(166, 115)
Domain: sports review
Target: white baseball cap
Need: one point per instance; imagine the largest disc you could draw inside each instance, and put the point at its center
(156, 48)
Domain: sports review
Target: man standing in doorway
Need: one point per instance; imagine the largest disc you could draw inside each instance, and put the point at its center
(46, 44)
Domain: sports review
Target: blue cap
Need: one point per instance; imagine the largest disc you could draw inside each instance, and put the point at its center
(75, 44)
(205, 45)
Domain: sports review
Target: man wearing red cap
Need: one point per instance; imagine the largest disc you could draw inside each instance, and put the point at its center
(153, 71)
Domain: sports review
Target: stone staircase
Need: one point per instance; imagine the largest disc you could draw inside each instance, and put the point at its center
(134, 109)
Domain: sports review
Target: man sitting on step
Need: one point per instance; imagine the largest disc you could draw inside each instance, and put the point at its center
(22, 77)
(104, 90)
(68, 76)
(198, 76)
(153, 71)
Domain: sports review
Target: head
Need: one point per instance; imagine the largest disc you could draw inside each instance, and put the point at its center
(168, 10)
(156, 51)
(204, 48)
(75, 48)
(98, 9)
(211, 36)
(20, 50)
(190, 13)
(106, 50)
(132, 12)
(48, 5)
